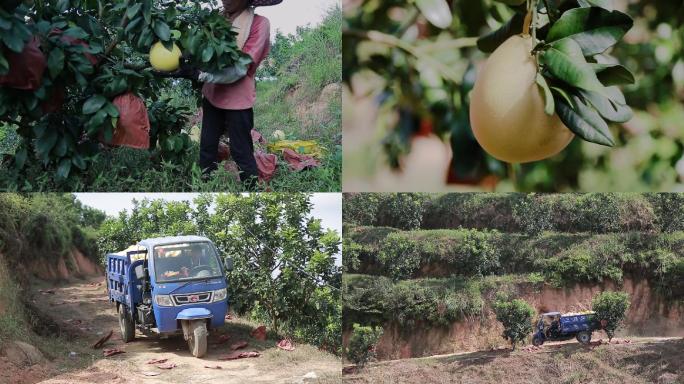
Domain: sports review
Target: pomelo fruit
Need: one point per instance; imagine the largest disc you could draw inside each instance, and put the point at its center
(507, 107)
(164, 60)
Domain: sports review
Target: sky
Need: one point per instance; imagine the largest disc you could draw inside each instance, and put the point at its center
(326, 206)
(290, 14)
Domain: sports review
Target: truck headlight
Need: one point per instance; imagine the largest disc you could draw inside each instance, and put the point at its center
(220, 294)
(164, 300)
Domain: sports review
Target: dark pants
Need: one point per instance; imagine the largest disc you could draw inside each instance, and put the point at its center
(238, 124)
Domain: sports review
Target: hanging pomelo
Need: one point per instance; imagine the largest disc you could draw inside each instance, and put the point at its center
(507, 107)
(163, 59)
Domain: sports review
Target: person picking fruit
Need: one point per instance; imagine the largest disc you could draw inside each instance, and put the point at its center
(230, 94)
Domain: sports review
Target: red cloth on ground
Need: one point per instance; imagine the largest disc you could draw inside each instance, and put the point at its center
(299, 162)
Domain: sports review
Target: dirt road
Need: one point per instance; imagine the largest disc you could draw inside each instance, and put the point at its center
(83, 310)
(631, 360)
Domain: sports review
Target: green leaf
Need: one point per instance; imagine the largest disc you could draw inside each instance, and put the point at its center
(63, 169)
(561, 92)
(553, 9)
(437, 12)
(13, 41)
(566, 66)
(610, 110)
(162, 30)
(61, 147)
(605, 4)
(95, 122)
(549, 106)
(512, 2)
(62, 5)
(585, 122)
(134, 23)
(5, 24)
(594, 29)
(93, 104)
(613, 74)
(4, 65)
(78, 161)
(133, 10)
(111, 110)
(55, 62)
(489, 42)
(45, 143)
(207, 54)
(76, 32)
(20, 157)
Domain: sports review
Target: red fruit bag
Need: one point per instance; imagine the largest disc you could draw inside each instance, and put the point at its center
(133, 128)
(266, 162)
(74, 41)
(26, 68)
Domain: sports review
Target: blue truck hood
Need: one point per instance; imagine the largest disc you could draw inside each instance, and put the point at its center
(193, 286)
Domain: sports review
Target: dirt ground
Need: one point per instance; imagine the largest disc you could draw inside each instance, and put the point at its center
(629, 361)
(83, 311)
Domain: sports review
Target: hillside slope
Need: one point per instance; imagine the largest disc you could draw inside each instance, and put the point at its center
(641, 361)
(427, 268)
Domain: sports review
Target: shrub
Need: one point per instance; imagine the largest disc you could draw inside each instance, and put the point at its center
(397, 210)
(361, 348)
(516, 317)
(611, 310)
(400, 256)
(360, 208)
(377, 300)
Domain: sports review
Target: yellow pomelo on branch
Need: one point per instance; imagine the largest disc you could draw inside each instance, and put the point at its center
(507, 107)
(164, 60)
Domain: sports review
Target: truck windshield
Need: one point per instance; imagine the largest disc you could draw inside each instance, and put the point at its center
(185, 261)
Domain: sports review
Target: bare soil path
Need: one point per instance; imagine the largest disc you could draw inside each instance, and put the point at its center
(629, 360)
(83, 310)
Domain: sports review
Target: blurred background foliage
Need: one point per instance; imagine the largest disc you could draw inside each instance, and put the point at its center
(409, 80)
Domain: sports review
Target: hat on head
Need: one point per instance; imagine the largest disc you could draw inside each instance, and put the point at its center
(264, 3)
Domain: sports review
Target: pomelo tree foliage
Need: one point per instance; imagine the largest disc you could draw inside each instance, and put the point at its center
(285, 272)
(611, 310)
(516, 317)
(96, 50)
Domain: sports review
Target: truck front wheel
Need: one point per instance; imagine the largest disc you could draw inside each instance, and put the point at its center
(197, 338)
(537, 340)
(584, 337)
(126, 325)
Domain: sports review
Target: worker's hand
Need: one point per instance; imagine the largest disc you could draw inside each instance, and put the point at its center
(186, 71)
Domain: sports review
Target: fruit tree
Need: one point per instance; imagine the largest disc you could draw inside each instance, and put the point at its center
(74, 73)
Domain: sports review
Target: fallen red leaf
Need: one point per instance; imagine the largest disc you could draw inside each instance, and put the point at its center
(112, 352)
(166, 366)
(286, 345)
(238, 345)
(222, 339)
(259, 333)
(103, 339)
(240, 355)
(157, 361)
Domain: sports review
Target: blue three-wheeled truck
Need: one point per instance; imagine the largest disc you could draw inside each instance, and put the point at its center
(167, 285)
(553, 326)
